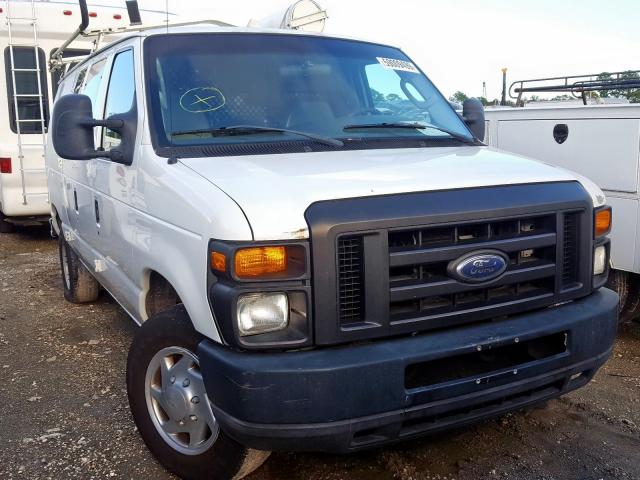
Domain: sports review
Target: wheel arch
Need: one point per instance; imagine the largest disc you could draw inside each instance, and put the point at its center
(159, 294)
(56, 222)
(59, 216)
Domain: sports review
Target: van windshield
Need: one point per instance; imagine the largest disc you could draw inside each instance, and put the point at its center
(202, 87)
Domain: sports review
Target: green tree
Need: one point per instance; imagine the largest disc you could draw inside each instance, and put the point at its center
(393, 97)
(458, 97)
(377, 96)
(562, 98)
(631, 94)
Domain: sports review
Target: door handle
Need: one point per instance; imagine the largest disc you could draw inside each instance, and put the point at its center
(75, 199)
(97, 211)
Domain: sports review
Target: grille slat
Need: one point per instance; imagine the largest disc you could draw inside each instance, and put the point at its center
(451, 286)
(400, 257)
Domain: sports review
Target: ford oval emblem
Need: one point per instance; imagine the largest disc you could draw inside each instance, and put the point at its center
(479, 266)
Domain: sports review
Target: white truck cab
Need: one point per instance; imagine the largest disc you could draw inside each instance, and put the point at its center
(322, 254)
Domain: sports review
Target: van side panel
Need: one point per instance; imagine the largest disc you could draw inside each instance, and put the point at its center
(173, 214)
(57, 186)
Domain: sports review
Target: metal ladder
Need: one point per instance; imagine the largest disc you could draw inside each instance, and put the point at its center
(32, 21)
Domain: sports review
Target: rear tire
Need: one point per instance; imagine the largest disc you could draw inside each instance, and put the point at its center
(78, 284)
(163, 378)
(6, 227)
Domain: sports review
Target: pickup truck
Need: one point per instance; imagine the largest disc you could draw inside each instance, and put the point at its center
(321, 253)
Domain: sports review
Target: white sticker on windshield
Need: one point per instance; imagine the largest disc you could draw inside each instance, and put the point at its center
(393, 64)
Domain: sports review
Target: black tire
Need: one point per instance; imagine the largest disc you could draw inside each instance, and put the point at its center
(78, 284)
(6, 227)
(632, 305)
(225, 458)
(627, 286)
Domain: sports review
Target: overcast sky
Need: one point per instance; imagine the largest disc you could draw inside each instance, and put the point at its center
(461, 43)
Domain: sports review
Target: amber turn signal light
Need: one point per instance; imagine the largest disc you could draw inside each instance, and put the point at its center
(218, 261)
(256, 262)
(602, 223)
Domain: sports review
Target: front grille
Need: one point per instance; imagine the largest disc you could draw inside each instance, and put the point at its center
(420, 286)
(380, 263)
(350, 277)
(543, 252)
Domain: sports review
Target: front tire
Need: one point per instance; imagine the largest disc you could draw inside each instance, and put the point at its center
(627, 286)
(170, 405)
(78, 284)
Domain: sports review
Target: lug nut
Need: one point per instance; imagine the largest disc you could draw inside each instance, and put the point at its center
(193, 418)
(172, 379)
(195, 400)
(186, 382)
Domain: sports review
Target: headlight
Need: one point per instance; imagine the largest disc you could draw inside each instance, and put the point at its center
(599, 260)
(262, 312)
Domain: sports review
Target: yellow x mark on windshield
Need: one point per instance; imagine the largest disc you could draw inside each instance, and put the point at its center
(203, 100)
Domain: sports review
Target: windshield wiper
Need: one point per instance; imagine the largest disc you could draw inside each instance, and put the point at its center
(409, 125)
(250, 129)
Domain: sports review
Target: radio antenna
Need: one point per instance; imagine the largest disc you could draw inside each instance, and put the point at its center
(166, 11)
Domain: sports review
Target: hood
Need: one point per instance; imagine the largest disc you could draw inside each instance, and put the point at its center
(275, 190)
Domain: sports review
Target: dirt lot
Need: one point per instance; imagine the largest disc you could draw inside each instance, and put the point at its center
(64, 412)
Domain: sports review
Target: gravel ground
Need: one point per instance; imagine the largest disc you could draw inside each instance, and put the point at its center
(64, 411)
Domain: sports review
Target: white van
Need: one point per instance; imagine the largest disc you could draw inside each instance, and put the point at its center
(31, 32)
(321, 253)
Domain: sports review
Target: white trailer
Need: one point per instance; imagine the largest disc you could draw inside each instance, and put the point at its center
(599, 141)
(30, 32)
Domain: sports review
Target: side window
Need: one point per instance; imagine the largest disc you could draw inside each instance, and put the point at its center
(92, 79)
(79, 81)
(27, 77)
(120, 94)
(56, 75)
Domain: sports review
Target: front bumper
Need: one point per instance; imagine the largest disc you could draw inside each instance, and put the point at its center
(353, 397)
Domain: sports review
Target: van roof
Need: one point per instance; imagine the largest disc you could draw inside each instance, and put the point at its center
(220, 27)
(212, 26)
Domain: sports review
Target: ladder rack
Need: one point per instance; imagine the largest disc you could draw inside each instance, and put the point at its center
(32, 22)
(576, 85)
(57, 60)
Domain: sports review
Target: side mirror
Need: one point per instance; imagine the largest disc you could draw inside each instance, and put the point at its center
(72, 131)
(473, 116)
